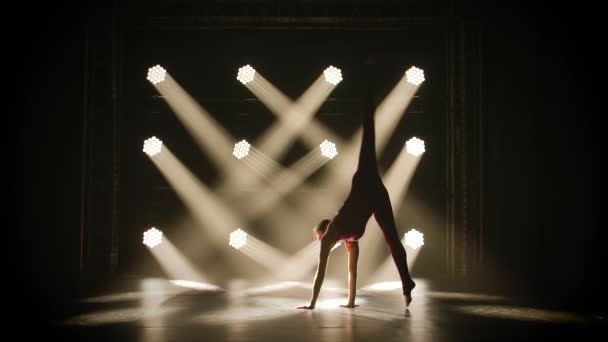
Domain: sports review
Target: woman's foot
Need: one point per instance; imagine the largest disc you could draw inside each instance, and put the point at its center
(408, 292)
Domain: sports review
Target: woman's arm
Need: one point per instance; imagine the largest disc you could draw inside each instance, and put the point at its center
(353, 257)
(326, 244)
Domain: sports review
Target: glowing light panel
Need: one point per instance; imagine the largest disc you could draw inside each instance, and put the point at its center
(241, 149)
(328, 149)
(414, 239)
(238, 238)
(333, 75)
(156, 74)
(153, 237)
(246, 74)
(414, 75)
(415, 146)
(152, 146)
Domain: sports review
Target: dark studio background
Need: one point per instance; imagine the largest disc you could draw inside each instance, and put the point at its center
(540, 126)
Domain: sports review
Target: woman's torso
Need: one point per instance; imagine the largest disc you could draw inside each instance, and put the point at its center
(352, 217)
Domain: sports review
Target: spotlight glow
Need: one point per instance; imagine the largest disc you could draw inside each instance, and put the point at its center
(415, 146)
(156, 74)
(414, 239)
(333, 75)
(338, 244)
(152, 146)
(238, 238)
(153, 237)
(241, 149)
(386, 286)
(328, 149)
(414, 75)
(194, 285)
(246, 74)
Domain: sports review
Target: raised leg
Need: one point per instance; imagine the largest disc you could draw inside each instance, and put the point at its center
(367, 154)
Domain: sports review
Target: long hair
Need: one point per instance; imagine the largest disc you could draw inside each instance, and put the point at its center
(321, 229)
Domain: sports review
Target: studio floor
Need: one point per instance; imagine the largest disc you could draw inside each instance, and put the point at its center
(158, 310)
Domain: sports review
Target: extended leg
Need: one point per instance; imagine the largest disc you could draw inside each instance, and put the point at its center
(384, 216)
(367, 153)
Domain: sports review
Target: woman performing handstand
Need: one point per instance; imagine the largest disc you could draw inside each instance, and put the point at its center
(367, 196)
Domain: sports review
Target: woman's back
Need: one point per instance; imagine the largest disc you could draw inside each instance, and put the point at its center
(352, 217)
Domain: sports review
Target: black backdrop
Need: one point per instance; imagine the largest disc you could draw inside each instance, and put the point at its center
(541, 126)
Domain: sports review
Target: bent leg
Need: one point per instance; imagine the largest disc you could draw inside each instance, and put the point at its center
(384, 216)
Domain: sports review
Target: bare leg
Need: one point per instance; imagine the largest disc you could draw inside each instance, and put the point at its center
(384, 216)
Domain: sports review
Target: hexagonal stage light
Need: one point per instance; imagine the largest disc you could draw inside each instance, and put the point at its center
(333, 75)
(153, 237)
(414, 75)
(152, 146)
(415, 146)
(156, 74)
(238, 238)
(241, 149)
(246, 74)
(328, 149)
(414, 239)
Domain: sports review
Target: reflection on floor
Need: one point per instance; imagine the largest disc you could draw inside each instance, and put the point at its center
(180, 311)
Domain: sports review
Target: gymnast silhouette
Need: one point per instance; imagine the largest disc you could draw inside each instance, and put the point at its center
(367, 196)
